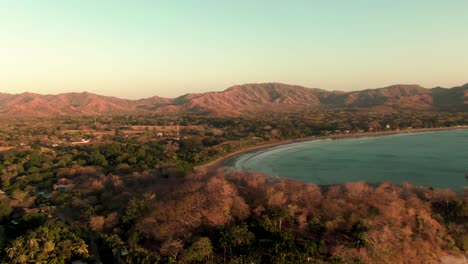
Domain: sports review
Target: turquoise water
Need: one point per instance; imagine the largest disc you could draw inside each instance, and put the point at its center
(438, 159)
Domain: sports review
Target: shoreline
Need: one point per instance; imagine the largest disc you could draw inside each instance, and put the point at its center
(219, 163)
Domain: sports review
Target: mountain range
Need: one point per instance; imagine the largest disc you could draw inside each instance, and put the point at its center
(239, 99)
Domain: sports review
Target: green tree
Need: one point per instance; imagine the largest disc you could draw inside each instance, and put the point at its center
(136, 209)
(36, 147)
(34, 160)
(51, 243)
(199, 251)
(112, 150)
(97, 158)
(5, 209)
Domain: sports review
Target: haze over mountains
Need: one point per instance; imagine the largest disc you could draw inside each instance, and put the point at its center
(242, 99)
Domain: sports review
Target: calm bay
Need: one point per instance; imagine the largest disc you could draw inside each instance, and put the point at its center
(438, 159)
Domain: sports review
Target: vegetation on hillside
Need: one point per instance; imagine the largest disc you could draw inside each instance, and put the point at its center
(130, 195)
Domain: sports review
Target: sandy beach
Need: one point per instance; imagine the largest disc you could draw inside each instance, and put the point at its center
(220, 162)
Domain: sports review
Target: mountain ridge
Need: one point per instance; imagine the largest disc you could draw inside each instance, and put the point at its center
(239, 99)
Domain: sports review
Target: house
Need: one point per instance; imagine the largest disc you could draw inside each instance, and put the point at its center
(31, 210)
(64, 184)
(64, 181)
(83, 141)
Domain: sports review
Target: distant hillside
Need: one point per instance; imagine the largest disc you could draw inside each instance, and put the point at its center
(396, 97)
(29, 104)
(242, 99)
(248, 98)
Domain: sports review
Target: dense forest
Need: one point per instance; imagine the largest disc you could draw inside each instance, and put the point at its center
(124, 189)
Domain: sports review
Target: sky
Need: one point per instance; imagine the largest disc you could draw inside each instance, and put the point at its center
(138, 48)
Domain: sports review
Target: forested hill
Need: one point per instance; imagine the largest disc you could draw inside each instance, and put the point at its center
(239, 99)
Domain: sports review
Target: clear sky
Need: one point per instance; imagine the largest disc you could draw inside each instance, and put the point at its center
(137, 48)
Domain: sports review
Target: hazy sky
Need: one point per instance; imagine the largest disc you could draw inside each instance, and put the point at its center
(136, 49)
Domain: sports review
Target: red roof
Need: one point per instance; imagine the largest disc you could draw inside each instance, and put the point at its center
(64, 181)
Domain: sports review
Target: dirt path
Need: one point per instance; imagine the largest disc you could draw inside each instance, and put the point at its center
(452, 259)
